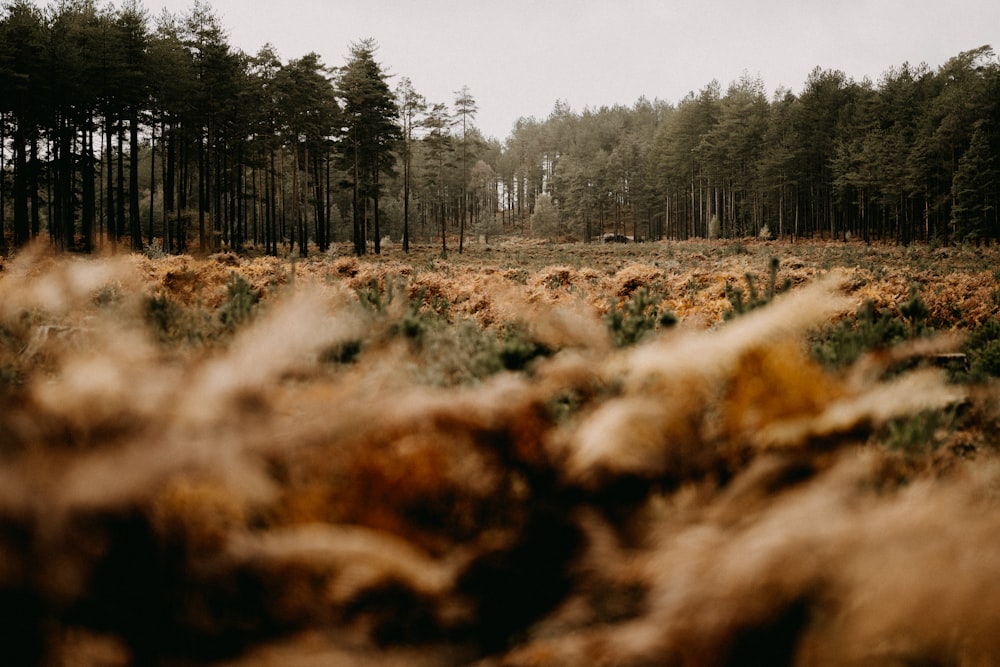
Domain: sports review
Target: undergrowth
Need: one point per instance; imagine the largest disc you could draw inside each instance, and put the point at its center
(743, 302)
(410, 461)
(841, 344)
(173, 322)
(637, 317)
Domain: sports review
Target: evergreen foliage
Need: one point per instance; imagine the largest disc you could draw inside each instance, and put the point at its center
(121, 128)
(745, 302)
(636, 318)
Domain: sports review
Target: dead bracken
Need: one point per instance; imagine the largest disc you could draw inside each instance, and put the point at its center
(360, 461)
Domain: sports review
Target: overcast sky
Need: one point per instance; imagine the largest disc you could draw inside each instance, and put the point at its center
(519, 56)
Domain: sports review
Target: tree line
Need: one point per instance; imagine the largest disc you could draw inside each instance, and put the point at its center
(912, 157)
(117, 128)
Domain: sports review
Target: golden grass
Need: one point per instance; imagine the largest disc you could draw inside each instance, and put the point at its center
(709, 496)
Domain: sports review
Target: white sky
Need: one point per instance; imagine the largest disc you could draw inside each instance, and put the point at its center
(519, 56)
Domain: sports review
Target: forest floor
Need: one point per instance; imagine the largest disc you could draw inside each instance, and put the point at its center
(692, 453)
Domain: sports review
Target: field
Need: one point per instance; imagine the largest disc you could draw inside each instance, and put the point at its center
(696, 453)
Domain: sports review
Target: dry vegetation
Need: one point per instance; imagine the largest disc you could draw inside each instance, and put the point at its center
(524, 455)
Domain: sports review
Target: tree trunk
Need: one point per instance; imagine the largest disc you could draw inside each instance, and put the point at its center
(202, 194)
(135, 225)
(444, 242)
(120, 222)
(375, 198)
(319, 204)
(406, 199)
(302, 201)
(3, 185)
(359, 239)
(152, 179)
(22, 225)
(33, 169)
(88, 193)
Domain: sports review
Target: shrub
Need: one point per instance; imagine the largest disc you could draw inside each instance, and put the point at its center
(841, 344)
(743, 303)
(916, 436)
(518, 350)
(986, 361)
(635, 318)
(238, 307)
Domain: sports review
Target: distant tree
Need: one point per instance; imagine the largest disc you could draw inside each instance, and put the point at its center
(215, 95)
(776, 172)
(173, 79)
(465, 112)
(586, 183)
(974, 188)
(527, 148)
(309, 113)
(483, 186)
(411, 105)
(370, 134)
(732, 152)
(545, 219)
(71, 103)
(816, 124)
(23, 38)
(965, 99)
(437, 148)
(135, 88)
(265, 96)
(681, 157)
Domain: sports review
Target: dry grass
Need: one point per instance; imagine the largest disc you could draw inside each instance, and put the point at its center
(345, 474)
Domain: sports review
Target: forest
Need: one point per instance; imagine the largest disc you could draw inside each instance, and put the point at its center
(121, 129)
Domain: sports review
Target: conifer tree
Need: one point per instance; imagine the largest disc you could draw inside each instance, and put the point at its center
(370, 135)
(465, 112)
(411, 105)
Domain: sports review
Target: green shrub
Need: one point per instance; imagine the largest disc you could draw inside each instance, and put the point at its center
(460, 354)
(917, 435)
(173, 323)
(415, 320)
(743, 302)
(986, 361)
(841, 344)
(241, 299)
(637, 317)
(162, 314)
(915, 312)
(517, 350)
(420, 315)
(370, 296)
(982, 350)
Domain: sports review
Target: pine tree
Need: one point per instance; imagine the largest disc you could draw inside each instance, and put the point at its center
(370, 135)
(465, 112)
(411, 105)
